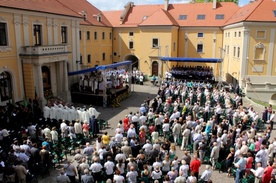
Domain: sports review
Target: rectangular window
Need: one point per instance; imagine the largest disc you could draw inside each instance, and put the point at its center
(200, 34)
(227, 49)
(131, 45)
(219, 16)
(63, 34)
(103, 56)
(89, 58)
(260, 35)
(235, 34)
(80, 34)
(234, 52)
(3, 34)
(131, 33)
(199, 48)
(259, 54)
(225, 34)
(95, 35)
(103, 35)
(274, 13)
(155, 43)
(174, 46)
(240, 34)
(110, 35)
(37, 35)
(200, 17)
(80, 58)
(238, 54)
(88, 35)
(228, 34)
(182, 17)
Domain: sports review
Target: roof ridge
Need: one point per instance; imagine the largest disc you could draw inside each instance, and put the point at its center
(67, 7)
(254, 9)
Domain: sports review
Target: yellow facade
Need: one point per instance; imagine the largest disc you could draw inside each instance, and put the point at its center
(95, 41)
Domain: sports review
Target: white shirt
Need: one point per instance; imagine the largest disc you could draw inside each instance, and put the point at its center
(259, 172)
(109, 166)
(96, 167)
(147, 147)
(118, 179)
(166, 127)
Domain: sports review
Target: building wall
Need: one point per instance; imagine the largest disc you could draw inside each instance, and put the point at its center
(232, 42)
(95, 47)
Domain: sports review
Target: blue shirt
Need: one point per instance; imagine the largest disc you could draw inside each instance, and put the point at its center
(241, 164)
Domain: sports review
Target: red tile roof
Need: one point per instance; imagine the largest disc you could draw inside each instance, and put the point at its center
(193, 10)
(91, 12)
(48, 6)
(259, 11)
(155, 18)
(156, 15)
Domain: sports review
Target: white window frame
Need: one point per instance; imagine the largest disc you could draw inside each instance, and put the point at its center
(200, 33)
(202, 48)
(132, 44)
(158, 43)
(260, 37)
(67, 35)
(7, 33)
(37, 23)
(259, 45)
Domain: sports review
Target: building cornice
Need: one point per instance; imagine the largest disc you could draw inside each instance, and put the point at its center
(36, 13)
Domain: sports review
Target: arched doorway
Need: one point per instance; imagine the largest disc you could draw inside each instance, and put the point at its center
(154, 68)
(46, 77)
(135, 61)
(5, 86)
(273, 99)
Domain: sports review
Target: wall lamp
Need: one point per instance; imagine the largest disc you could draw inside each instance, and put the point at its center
(79, 62)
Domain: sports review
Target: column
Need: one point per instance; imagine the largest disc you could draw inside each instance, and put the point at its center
(39, 87)
(244, 60)
(270, 52)
(55, 24)
(61, 75)
(214, 50)
(50, 31)
(65, 75)
(26, 30)
(18, 38)
(186, 39)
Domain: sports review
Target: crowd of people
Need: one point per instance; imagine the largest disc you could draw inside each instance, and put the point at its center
(193, 73)
(211, 126)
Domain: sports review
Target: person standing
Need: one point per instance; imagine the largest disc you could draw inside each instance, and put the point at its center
(86, 178)
(61, 178)
(272, 119)
(70, 171)
(258, 173)
(206, 175)
(240, 165)
(21, 172)
(195, 164)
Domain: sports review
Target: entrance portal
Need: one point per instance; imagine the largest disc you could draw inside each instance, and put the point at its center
(46, 78)
(135, 61)
(154, 68)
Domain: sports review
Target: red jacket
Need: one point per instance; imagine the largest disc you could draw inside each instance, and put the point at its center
(195, 164)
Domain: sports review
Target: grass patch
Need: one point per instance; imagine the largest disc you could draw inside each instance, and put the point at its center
(262, 103)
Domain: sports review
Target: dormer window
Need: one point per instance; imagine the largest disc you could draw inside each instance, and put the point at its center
(201, 17)
(145, 17)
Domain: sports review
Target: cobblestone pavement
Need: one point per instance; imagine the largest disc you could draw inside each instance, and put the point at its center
(113, 115)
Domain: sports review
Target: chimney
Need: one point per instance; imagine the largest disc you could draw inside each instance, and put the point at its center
(127, 7)
(214, 4)
(166, 5)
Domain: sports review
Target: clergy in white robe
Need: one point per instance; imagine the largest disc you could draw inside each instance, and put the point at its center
(64, 113)
(46, 112)
(53, 113)
(93, 111)
(58, 113)
(64, 129)
(77, 127)
(80, 114)
(85, 115)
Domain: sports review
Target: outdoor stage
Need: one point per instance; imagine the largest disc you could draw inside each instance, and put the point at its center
(97, 99)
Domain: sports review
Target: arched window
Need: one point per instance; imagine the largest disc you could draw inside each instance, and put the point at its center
(5, 86)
